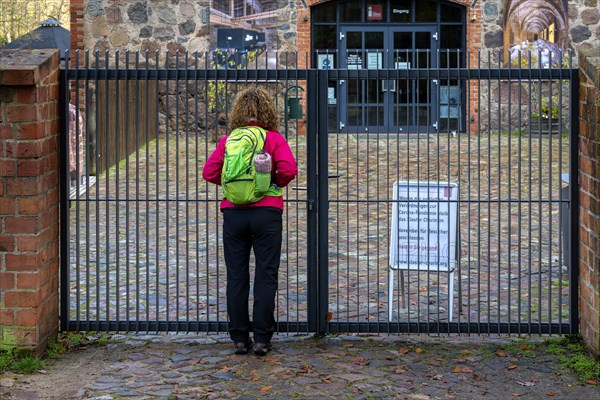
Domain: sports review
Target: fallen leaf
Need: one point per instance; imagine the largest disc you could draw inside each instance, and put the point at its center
(465, 351)
(438, 377)
(265, 389)
(359, 361)
(305, 368)
(591, 382)
(513, 366)
(500, 354)
(418, 350)
(403, 350)
(526, 383)
(271, 360)
(551, 394)
(329, 316)
(464, 370)
(326, 379)
(255, 379)
(525, 347)
(518, 394)
(400, 370)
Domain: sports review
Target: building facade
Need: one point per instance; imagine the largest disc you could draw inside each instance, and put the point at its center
(348, 34)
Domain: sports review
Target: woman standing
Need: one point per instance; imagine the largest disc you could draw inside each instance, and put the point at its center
(256, 226)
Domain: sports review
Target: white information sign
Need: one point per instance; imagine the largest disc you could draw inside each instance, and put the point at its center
(325, 61)
(374, 60)
(353, 61)
(423, 234)
(424, 226)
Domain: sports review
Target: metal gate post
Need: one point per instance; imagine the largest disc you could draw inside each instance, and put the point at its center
(574, 202)
(323, 203)
(311, 185)
(64, 194)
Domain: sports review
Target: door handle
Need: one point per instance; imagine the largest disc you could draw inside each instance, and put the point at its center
(393, 86)
(385, 87)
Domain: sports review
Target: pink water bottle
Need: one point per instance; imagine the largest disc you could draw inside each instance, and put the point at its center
(262, 165)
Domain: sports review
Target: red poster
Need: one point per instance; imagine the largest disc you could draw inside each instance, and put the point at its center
(375, 12)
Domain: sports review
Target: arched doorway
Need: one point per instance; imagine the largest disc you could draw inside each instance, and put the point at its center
(530, 20)
(391, 34)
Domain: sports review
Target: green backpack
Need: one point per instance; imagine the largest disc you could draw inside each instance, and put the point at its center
(241, 183)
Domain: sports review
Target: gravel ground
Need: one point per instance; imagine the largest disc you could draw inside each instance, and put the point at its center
(345, 367)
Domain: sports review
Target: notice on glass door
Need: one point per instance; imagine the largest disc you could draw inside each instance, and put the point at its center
(354, 61)
(374, 60)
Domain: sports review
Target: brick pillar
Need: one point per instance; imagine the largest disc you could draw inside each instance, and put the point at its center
(77, 38)
(29, 134)
(589, 196)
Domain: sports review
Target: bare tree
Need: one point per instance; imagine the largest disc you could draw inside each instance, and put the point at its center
(17, 17)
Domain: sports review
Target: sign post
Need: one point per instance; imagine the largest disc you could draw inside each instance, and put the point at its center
(423, 236)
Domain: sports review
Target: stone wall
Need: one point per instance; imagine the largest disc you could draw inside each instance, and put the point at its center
(185, 25)
(584, 24)
(174, 25)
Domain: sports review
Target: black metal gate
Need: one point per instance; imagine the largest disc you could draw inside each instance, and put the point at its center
(425, 231)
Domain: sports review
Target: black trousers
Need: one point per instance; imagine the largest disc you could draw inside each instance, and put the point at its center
(260, 229)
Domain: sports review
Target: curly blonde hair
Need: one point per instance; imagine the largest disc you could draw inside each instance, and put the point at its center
(253, 104)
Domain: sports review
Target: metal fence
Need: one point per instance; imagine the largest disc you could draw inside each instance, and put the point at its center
(462, 227)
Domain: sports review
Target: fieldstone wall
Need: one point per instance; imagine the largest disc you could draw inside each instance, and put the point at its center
(175, 25)
(584, 24)
(184, 25)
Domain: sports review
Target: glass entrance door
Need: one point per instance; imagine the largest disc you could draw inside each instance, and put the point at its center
(374, 105)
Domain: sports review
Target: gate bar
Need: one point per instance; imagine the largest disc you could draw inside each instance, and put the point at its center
(574, 205)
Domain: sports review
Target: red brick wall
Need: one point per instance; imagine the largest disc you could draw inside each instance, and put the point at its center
(77, 38)
(29, 132)
(589, 196)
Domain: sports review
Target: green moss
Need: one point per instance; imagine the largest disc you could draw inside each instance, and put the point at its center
(572, 353)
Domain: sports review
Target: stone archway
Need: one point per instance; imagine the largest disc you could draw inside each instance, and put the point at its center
(524, 18)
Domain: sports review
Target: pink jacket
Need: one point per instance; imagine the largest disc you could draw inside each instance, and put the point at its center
(284, 168)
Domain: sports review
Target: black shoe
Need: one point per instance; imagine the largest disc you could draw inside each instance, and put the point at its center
(261, 349)
(242, 348)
